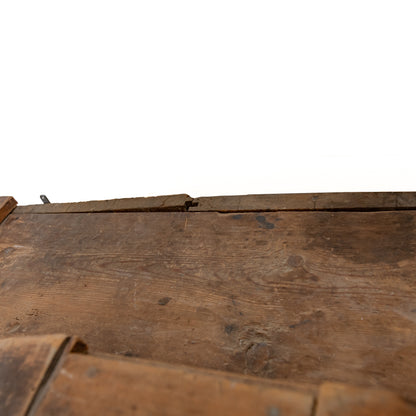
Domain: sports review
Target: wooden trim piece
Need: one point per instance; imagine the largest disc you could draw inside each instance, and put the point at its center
(337, 201)
(343, 400)
(91, 385)
(178, 202)
(24, 361)
(7, 204)
(340, 201)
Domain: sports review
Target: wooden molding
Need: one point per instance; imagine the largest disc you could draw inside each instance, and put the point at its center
(348, 201)
(338, 201)
(7, 204)
(157, 203)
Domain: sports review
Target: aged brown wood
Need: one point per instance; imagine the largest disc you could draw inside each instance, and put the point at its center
(342, 400)
(46, 375)
(24, 362)
(317, 201)
(7, 204)
(88, 385)
(237, 203)
(157, 203)
(307, 296)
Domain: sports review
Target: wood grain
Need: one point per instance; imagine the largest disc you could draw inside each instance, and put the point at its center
(46, 375)
(305, 296)
(7, 204)
(88, 385)
(24, 362)
(238, 203)
(315, 202)
(342, 400)
(157, 203)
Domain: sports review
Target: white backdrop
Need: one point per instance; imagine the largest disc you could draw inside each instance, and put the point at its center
(108, 99)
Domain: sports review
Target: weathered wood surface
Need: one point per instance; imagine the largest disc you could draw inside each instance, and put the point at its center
(342, 400)
(24, 362)
(307, 296)
(157, 203)
(88, 385)
(318, 201)
(236, 203)
(7, 203)
(44, 376)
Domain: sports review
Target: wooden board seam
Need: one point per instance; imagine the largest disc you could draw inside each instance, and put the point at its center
(70, 344)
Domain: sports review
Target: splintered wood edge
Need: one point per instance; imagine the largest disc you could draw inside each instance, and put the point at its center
(178, 202)
(7, 204)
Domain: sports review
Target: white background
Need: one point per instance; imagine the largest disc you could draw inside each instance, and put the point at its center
(103, 99)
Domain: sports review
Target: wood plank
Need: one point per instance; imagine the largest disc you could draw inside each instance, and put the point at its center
(307, 296)
(39, 376)
(307, 201)
(238, 203)
(157, 203)
(24, 362)
(88, 385)
(7, 204)
(342, 400)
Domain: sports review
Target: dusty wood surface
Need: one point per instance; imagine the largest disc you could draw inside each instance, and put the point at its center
(7, 203)
(318, 201)
(46, 375)
(342, 400)
(96, 386)
(24, 362)
(157, 203)
(307, 296)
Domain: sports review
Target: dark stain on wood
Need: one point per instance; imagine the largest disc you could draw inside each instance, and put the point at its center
(304, 322)
(230, 328)
(261, 219)
(130, 354)
(164, 301)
